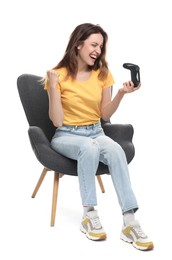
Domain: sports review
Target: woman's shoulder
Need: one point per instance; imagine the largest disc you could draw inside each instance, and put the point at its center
(108, 74)
(62, 71)
(108, 80)
(99, 70)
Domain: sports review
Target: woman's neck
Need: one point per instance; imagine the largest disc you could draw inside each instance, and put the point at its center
(83, 75)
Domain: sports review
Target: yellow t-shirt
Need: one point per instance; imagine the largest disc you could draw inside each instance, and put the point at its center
(81, 100)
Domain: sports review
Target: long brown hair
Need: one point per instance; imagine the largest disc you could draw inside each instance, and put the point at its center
(78, 36)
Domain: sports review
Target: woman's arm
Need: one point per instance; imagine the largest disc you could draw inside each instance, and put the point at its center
(55, 106)
(108, 106)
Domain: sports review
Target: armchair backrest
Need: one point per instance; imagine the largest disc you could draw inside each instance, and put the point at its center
(35, 103)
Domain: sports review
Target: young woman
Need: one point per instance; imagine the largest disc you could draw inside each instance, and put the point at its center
(79, 96)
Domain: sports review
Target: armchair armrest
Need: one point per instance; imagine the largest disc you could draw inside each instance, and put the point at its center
(40, 144)
(46, 155)
(123, 135)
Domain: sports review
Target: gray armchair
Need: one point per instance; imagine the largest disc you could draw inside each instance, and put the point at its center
(35, 104)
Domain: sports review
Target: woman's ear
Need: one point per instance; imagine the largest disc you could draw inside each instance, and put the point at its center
(77, 48)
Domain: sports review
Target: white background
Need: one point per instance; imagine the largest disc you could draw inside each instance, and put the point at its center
(34, 35)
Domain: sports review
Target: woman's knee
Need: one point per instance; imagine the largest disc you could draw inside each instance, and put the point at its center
(114, 150)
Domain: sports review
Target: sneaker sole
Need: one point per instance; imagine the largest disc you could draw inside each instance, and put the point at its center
(102, 237)
(126, 239)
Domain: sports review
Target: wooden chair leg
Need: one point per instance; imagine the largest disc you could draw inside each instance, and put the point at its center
(44, 172)
(100, 183)
(54, 200)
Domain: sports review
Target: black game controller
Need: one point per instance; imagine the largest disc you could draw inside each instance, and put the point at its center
(135, 72)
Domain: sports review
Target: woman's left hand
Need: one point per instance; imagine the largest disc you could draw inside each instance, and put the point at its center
(128, 87)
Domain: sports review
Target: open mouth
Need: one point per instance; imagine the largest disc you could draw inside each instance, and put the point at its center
(93, 57)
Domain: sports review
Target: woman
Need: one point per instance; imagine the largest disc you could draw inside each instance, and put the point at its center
(79, 95)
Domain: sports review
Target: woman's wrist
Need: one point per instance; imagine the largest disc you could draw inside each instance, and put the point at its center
(121, 92)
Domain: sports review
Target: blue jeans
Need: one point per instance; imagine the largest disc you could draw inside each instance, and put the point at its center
(89, 145)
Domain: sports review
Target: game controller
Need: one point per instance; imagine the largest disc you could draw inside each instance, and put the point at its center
(135, 72)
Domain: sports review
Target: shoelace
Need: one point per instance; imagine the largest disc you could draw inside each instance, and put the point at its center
(96, 222)
(139, 231)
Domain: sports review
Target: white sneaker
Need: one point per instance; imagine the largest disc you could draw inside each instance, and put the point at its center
(92, 227)
(135, 235)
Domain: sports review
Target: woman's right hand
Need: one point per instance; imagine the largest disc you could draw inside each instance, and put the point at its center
(55, 106)
(52, 78)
